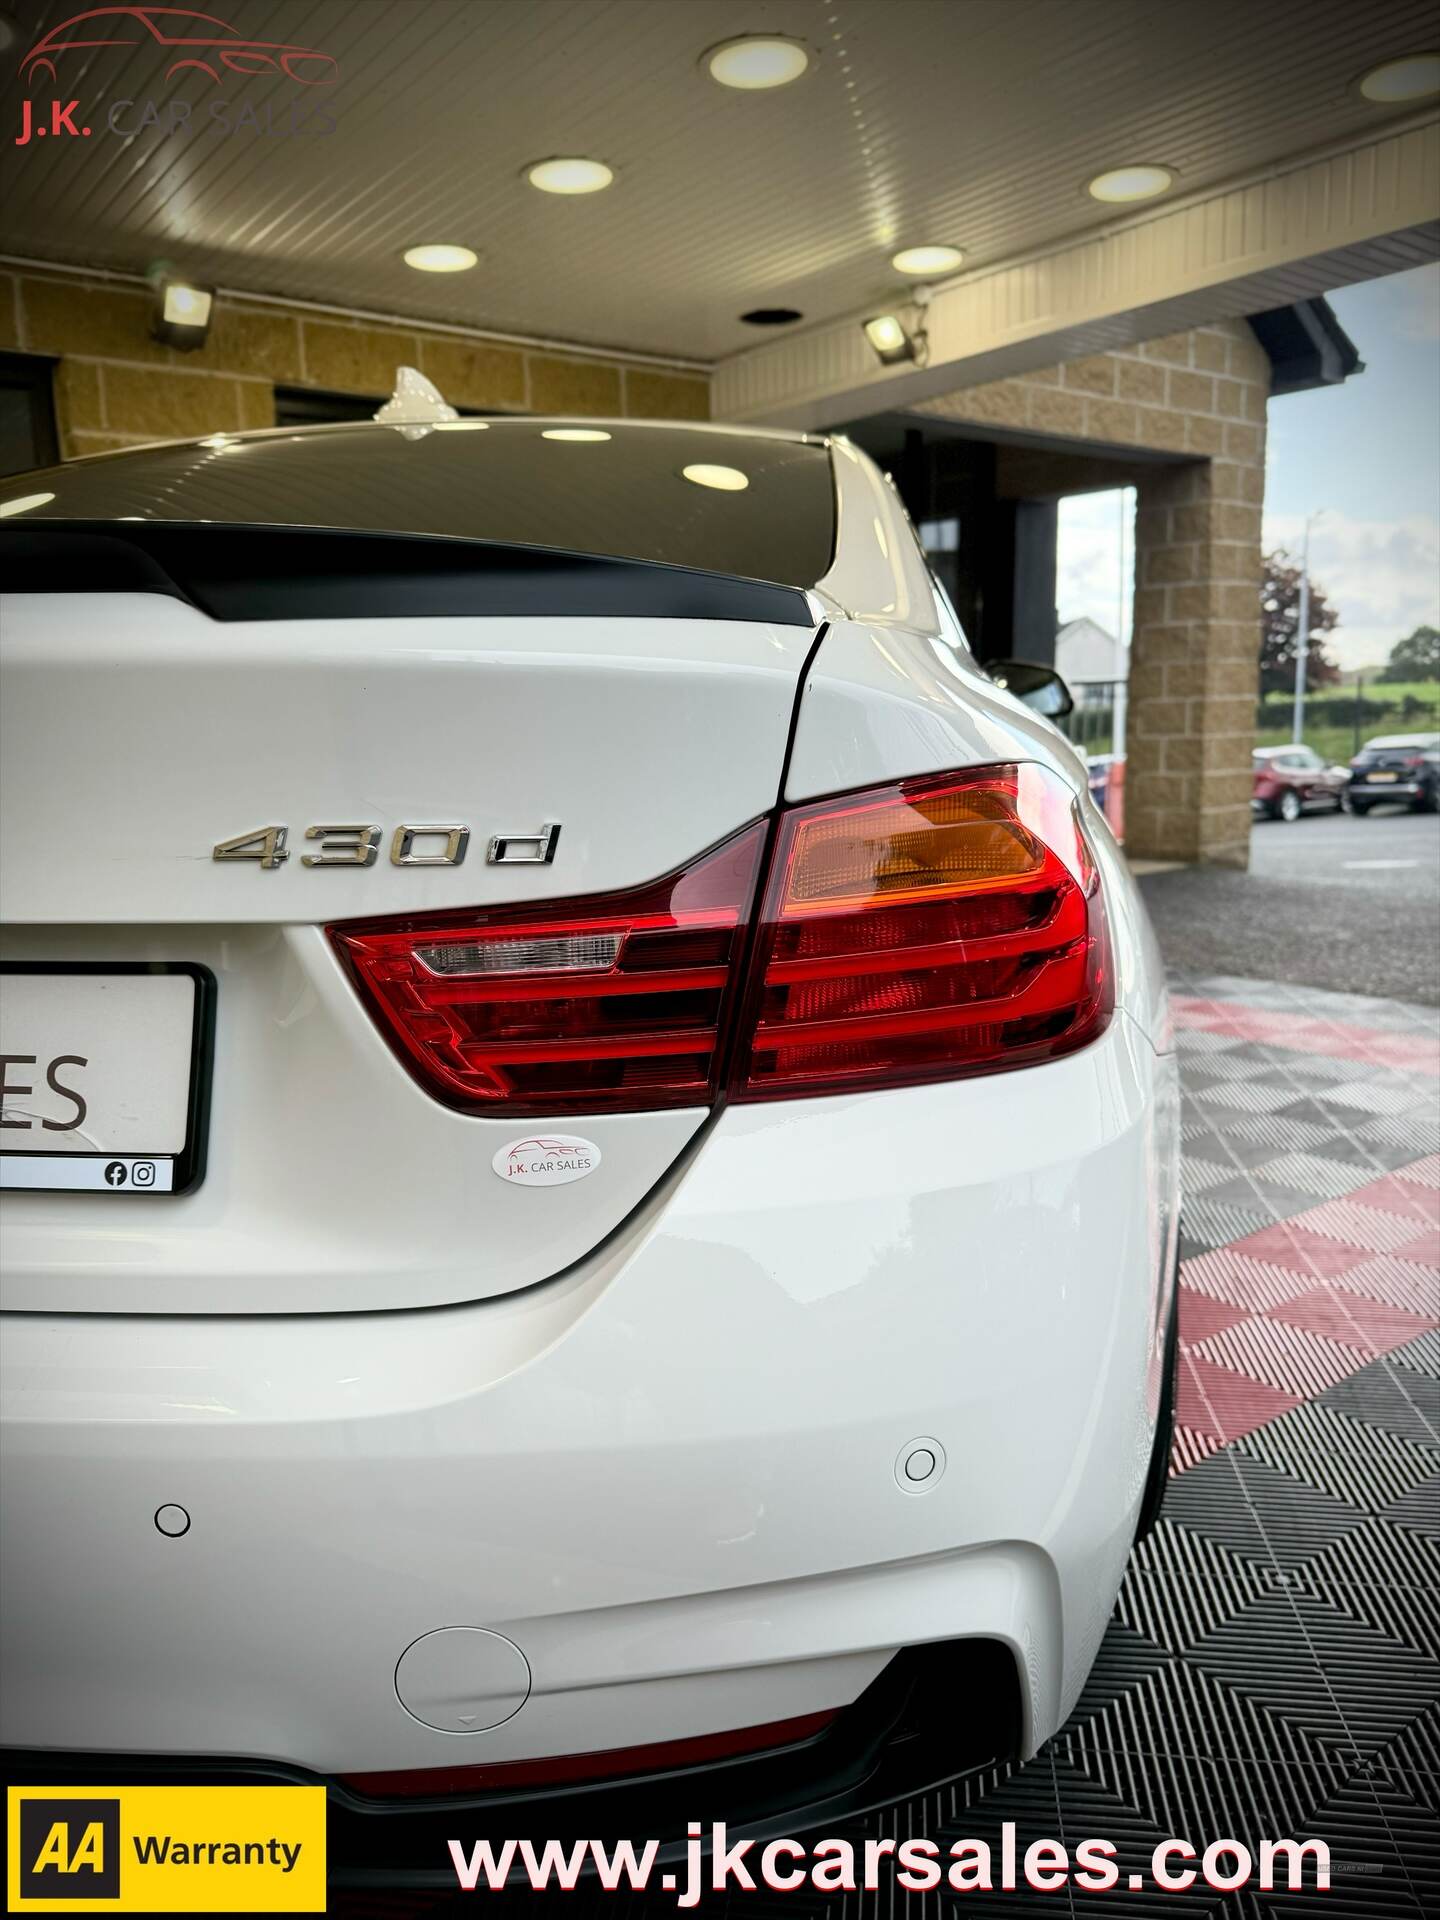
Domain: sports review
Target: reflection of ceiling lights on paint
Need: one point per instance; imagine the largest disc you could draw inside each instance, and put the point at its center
(722, 479)
(1414, 77)
(756, 62)
(569, 175)
(1122, 184)
(922, 260)
(24, 503)
(574, 433)
(463, 426)
(441, 259)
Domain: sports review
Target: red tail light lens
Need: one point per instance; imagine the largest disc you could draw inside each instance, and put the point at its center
(922, 931)
(925, 931)
(613, 1003)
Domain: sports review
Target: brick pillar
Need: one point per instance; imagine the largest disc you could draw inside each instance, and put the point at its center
(1194, 668)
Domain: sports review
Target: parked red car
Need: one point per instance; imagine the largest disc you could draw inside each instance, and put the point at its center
(1291, 780)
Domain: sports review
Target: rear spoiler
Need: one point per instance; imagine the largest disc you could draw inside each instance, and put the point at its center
(305, 573)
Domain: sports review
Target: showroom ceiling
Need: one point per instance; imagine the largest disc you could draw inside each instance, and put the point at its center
(966, 122)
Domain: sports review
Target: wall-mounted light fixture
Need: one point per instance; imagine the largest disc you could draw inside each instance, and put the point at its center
(182, 312)
(892, 341)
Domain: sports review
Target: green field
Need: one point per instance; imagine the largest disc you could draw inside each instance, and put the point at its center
(1336, 730)
(1338, 720)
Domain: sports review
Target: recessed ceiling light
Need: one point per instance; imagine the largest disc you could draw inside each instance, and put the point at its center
(923, 260)
(757, 61)
(1131, 183)
(573, 433)
(722, 479)
(441, 259)
(569, 175)
(771, 316)
(1414, 77)
(24, 503)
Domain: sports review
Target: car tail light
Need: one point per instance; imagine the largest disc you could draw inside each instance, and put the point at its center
(602, 1004)
(924, 931)
(921, 931)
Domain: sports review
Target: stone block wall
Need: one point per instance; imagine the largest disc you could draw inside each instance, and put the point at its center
(1199, 398)
(116, 387)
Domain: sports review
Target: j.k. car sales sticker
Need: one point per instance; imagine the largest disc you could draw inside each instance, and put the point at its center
(546, 1160)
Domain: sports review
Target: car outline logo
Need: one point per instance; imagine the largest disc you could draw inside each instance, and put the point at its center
(544, 1160)
(227, 46)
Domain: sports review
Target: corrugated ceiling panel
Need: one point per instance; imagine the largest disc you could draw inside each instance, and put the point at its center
(967, 121)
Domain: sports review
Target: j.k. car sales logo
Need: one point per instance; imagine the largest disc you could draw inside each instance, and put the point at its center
(195, 47)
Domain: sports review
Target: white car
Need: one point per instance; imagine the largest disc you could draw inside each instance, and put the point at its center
(590, 1133)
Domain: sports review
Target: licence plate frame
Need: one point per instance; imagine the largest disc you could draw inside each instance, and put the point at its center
(187, 1166)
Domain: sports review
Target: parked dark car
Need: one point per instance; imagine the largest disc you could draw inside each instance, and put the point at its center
(1396, 766)
(1290, 781)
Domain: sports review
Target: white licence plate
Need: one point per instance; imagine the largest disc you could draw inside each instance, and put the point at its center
(1382, 776)
(105, 1074)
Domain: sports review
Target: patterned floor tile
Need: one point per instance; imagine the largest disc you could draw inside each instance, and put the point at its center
(1356, 1225)
(1380, 1397)
(1232, 1404)
(1417, 1509)
(1201, 1315)
(1241, 1280)
(1295, 1361)
(1403, 1611)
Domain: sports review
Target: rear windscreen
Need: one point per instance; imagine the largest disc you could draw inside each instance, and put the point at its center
(732, 503)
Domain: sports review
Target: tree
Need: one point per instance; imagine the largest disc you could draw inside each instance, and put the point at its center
(1280, 619)
(1416, 657)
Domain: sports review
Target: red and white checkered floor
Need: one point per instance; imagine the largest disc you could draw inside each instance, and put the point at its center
(1311, 1242)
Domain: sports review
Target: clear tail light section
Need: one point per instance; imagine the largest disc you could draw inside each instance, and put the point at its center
(922, 931)
(613, 1003)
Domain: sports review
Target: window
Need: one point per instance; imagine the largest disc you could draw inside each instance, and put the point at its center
(940, 536)
(27, 413)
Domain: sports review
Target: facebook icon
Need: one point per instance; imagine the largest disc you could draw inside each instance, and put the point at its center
(115, 1174)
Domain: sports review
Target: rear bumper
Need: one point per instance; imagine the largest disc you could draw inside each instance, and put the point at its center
(1387, 790)
(673, 1478)
(932, 1713)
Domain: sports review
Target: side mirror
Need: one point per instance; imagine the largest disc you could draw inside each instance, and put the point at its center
(1039, 687)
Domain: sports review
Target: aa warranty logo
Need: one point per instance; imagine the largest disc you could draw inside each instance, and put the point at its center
(167, 1850)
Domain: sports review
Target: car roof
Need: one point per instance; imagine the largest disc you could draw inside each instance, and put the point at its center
(1404, 740)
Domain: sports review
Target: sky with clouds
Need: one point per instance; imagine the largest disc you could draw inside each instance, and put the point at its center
(1368, 452)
